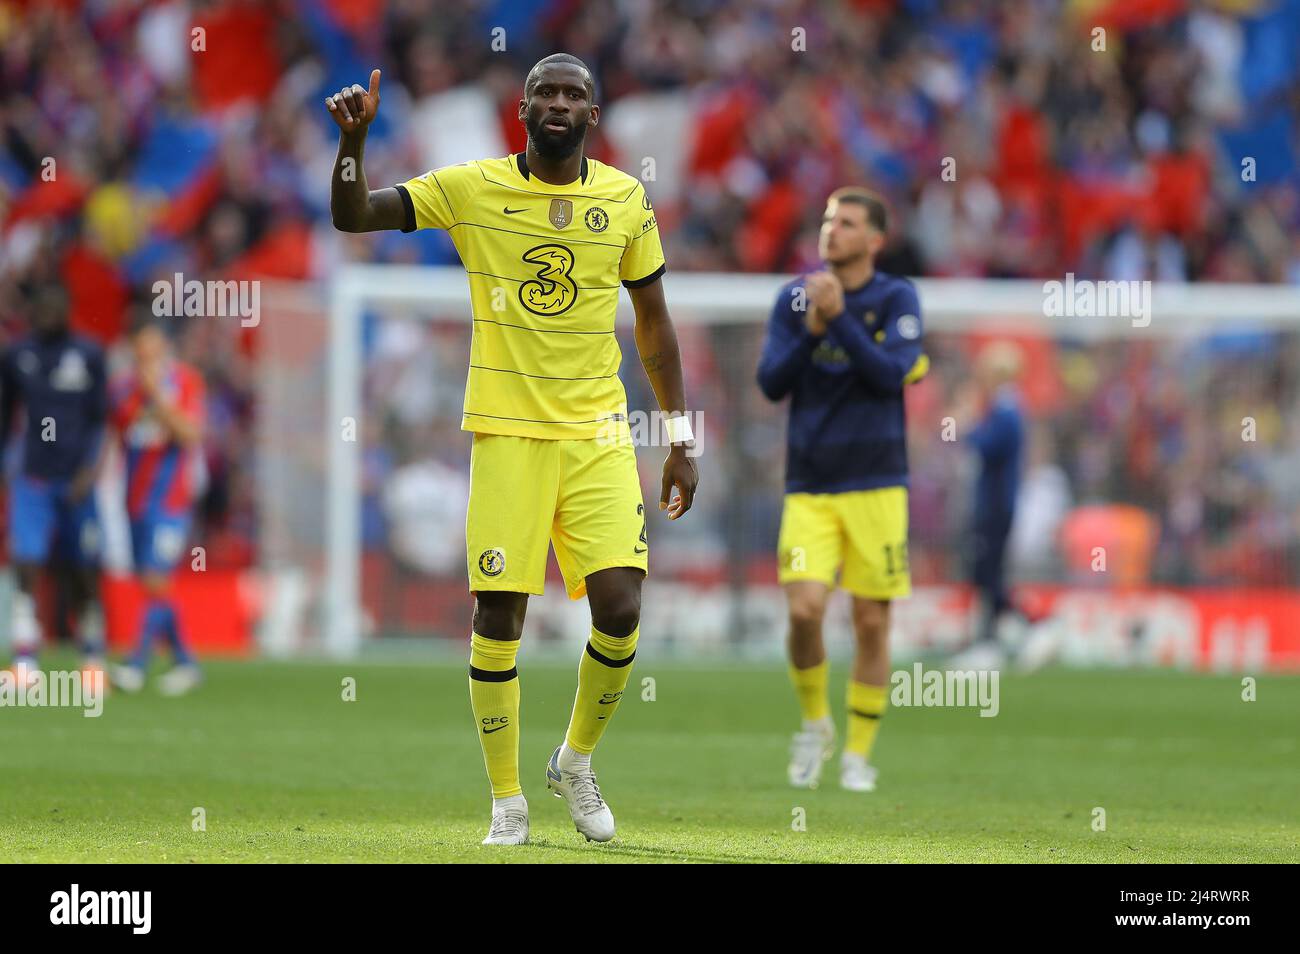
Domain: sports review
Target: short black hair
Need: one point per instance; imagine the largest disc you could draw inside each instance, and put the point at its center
(877, 214)
(531, 80)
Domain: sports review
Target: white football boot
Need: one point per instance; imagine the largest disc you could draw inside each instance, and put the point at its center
(180, 679)
(856, 774)
(809, 749)
(127, 678)
(570, 777)
(980, 656)
(509, 822)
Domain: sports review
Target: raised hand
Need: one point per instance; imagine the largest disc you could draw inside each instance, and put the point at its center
(353, 107)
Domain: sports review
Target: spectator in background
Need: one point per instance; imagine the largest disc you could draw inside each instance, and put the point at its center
(424, 502)
(158, 415)
(990, 416)
(59, 380)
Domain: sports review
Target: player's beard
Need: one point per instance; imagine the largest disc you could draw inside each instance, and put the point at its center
(551, 145)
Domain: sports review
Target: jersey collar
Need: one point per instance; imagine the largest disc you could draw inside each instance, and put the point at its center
(521, 161)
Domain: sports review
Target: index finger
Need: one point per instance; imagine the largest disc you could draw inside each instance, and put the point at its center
(374, 83)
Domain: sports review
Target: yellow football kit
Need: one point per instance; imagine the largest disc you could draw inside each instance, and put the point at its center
(864, 532)
(551, 458)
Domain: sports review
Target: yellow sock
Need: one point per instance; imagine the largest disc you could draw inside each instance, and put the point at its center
(810, 687)
(494, 697)
(866, 706)
(603, 672)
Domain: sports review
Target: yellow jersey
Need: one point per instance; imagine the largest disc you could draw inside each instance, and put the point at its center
(544, 264)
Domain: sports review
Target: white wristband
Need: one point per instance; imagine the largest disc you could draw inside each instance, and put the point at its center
(679, 429)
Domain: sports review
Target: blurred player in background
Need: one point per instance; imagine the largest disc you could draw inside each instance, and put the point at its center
(59, 379)
(843, 343)
(990, 417)
(157, 412)
(546, 236)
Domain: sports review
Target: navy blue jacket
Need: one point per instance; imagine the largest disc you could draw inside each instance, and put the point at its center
(64, 379)
(846, 428)
(999, 440)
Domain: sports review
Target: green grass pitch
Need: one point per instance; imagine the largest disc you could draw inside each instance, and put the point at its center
(287, 771)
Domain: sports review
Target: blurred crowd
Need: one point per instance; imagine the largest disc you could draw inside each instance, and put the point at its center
(1026, 138)
(1200, 433)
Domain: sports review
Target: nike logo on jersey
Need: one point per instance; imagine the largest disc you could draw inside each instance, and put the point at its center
(509, 211)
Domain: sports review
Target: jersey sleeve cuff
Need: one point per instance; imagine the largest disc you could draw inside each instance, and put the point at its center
(408, 207)
(642, 282)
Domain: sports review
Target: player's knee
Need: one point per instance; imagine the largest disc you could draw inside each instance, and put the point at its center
(497, 624)
(871, 624)
(500, 615)
(616, 610)
(617, 614)
(806, 613)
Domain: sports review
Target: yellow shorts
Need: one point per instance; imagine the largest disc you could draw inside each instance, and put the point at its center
(863, 531)
(583, 497)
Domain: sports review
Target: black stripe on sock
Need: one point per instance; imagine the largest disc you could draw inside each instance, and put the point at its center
(606, 661)
(487, 675)
(864, 715)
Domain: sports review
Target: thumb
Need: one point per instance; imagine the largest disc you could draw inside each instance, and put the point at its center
(374, 83)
